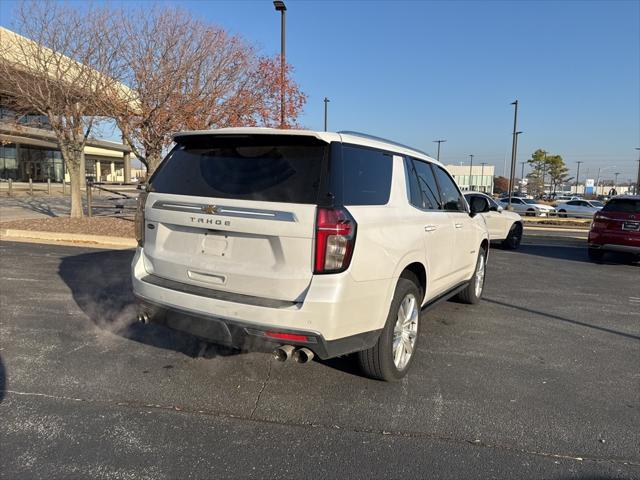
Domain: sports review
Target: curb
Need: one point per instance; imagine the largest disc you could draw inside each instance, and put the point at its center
(555, 229)
(78, 238)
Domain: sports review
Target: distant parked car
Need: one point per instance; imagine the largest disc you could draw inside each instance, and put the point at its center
(528, 206)
(616, 227)
(566, 198)
(579, 208)
(503, 225)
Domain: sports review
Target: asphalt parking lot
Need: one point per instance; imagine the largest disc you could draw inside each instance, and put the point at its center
(540, 380)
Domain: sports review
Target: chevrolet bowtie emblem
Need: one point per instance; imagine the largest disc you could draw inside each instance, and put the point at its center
(210, 209)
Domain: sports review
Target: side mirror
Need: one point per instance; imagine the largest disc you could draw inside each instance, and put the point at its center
(478, 205)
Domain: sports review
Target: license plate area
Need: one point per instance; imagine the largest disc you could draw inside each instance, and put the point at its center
(631, 226)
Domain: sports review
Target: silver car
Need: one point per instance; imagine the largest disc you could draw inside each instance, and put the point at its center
(579, 208)
(528, 207)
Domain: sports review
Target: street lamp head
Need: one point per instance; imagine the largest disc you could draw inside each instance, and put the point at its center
(518, 133)
(439, 141)
(280, 6)
(514, 102)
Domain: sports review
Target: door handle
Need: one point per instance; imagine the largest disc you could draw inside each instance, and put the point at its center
(459, 225)
(430, 228)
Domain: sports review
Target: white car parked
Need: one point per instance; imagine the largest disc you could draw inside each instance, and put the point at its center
(315, 243)
(528, 206)
(503, 225)
(579, 208)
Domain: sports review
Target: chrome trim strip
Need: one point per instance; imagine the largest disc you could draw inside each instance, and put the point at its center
(226, 211)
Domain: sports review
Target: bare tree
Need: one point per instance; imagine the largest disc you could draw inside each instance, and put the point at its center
(57, 71)
(185, 74)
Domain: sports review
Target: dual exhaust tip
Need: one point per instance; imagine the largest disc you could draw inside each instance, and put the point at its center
(143, 317)
(300, 355)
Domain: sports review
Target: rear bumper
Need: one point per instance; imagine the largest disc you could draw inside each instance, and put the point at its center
(612, 247)
(628, 242)
(338, 314)
(247, 336)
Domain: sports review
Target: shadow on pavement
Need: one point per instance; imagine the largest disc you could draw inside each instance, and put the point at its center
(3, 380)
(562, 319)
(101, 286)
(574, 253)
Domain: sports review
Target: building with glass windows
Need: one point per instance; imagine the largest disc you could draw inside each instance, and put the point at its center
(29, 148)
(478, 178)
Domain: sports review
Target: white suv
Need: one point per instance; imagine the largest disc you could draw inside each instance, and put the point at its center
(315, 243)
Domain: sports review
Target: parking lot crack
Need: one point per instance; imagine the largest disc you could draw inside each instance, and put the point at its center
(264, 385)
(372, 431)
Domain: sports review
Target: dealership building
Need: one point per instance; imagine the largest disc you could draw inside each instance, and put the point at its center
(29, 149)
(478, 178)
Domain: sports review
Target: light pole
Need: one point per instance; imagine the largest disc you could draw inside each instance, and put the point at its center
(282, 8)
(326, 106)
(470, 172)
(600, 169)
(578, 175)
(514, 140)
(615, 182)
(482, 175)
(638, 178)
(438, 142)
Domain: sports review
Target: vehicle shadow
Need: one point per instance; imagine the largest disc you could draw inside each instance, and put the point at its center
(575, 254)
(100, 284)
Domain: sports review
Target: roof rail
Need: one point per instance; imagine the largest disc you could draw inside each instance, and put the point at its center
(380, 139)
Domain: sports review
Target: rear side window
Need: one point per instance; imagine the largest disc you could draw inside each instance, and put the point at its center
(364, 175)
(423, 189)
(624, 205)
(451, 197)
(262, 168)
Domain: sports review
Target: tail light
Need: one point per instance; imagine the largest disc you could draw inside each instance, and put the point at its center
(599, 221)
(139, 223)
(335, 239)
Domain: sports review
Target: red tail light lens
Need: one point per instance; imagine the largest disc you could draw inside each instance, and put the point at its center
(335, 239)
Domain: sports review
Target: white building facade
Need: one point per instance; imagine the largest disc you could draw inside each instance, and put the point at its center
(478, 178)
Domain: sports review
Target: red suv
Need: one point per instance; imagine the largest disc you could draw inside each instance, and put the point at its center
(616, 227)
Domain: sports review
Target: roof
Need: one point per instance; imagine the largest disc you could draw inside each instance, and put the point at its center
(346, 137)
(16, 51)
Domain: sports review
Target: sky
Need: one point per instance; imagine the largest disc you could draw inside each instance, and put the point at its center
(417, 71)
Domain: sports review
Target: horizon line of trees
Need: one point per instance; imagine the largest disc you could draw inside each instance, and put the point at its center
(153, 71)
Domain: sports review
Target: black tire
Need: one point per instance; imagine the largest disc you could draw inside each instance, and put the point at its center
(512, 242)
(531, 213)
(469, 294)
(595, 254)
(562, 213)
(377, 362)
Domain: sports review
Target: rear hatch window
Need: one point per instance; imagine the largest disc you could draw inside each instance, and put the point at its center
(258, 168)
(622, 205)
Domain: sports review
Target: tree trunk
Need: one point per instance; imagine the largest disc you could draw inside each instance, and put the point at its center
(76, 196)
(153, 157)
(72, 159)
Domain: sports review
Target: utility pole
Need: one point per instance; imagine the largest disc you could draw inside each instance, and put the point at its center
(438, 142)
(482, 174)
(578, 175)
(638, 177)
(544, 172)
(326, 104)
(615, 182)
(470, 172)
(281, 7)
(513, 153)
